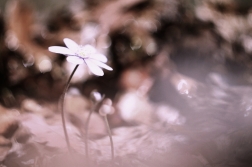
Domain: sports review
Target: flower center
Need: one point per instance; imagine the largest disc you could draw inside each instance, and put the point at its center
(85, 51)
(82, 52)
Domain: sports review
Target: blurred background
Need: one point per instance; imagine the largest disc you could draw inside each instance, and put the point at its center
(180, 85)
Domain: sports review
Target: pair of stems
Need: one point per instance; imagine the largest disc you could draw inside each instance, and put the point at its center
(86, 131)
(108, 129)
(87, 122)
(110, 138)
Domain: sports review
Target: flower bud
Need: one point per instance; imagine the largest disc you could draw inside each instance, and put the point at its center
(95, 96)
(106, 107)
(107, 101)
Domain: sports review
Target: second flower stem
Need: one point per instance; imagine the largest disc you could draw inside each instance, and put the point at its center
(86, 130)
(110, 138)
(62, 108)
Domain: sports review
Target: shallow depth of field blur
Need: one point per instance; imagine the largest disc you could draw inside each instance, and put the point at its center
(181, 83)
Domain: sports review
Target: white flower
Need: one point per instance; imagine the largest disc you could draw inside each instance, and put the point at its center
(78, 54)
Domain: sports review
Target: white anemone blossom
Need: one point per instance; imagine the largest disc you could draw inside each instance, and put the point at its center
(79, 54)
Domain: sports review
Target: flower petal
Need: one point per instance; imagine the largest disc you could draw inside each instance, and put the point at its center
(88, 49)
(75, 60)
(94, 68)
(100, 64)
(99, 57)
(71, 44)
(61, 50)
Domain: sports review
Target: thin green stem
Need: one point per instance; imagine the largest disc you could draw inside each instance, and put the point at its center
(110, 138)
(86, 130)
(62, 109)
